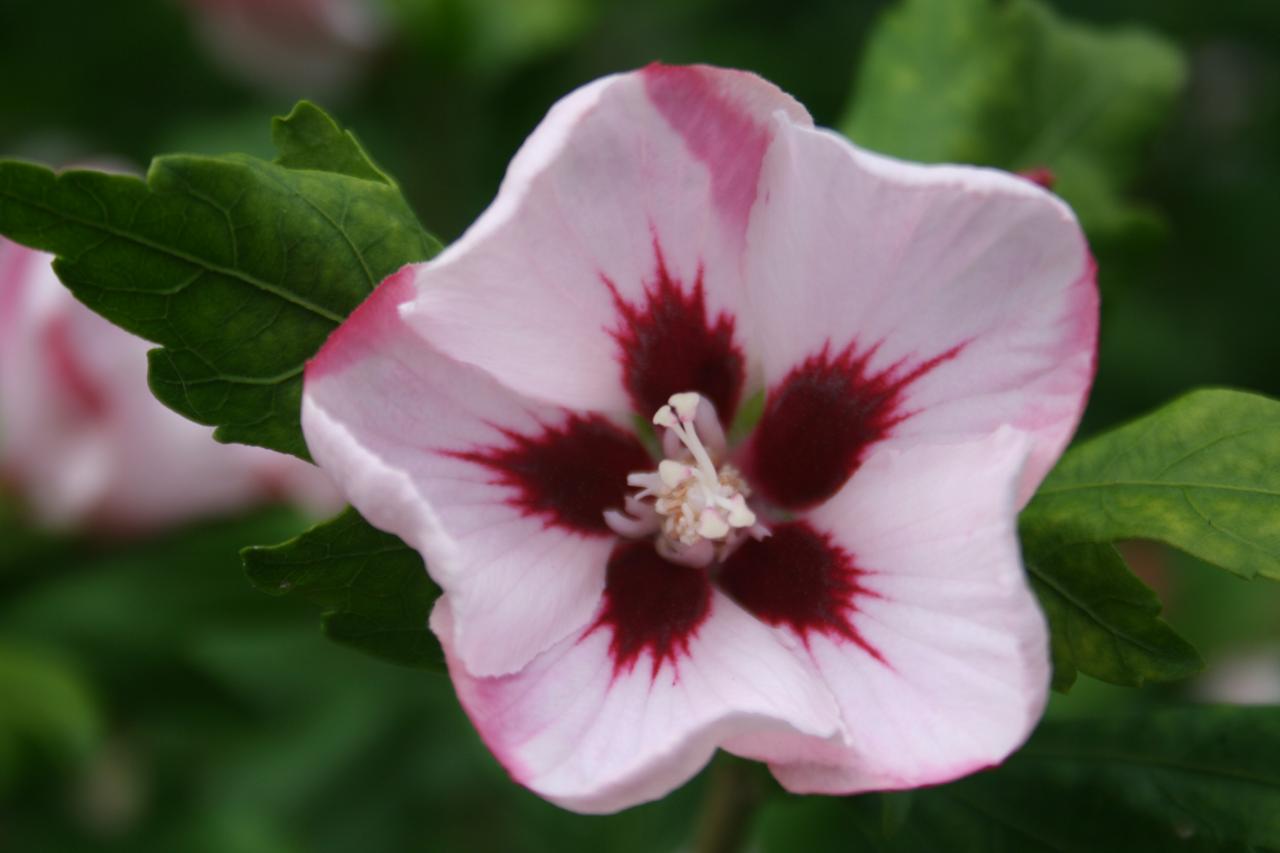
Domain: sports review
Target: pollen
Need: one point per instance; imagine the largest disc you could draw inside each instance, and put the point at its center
(696, 510)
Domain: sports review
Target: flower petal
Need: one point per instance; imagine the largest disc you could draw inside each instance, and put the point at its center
(903, 304)
(503, 496)
(606, 275)
(940, 663)
(637, 704)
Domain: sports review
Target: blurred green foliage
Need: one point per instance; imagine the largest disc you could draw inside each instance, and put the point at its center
(167, 705)
(1012, 85)
(1186, 779)
(202, 715)
(48, 710)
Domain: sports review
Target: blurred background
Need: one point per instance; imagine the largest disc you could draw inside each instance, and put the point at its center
(150, 699)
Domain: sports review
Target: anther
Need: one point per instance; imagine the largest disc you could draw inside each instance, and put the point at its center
(698, 511)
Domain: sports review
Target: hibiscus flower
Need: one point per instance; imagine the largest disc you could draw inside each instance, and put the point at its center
(82, 441)
(840, 593)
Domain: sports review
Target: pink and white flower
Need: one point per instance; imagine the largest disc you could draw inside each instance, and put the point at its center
(320, 46)
(841, 594)
(1243, 676)
(82, 441)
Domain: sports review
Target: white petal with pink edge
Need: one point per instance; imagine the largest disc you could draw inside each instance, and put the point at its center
(952, 671)
(415, 440)
(631, 196)
(970, 288)
(596, 740)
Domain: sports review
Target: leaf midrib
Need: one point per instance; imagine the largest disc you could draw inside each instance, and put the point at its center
(1163, 484)
(241, 379)
(1088, 611)
(230, 272)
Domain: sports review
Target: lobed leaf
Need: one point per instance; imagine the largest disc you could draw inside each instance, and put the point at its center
(307, 138)
(1201, 474)
(240, 269)
(1103, 621)
(373, 588)
(237, 267)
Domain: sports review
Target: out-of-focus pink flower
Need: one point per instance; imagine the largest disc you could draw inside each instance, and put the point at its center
(842, 594)
(1243, 677)
(82, 441)
(306, 47)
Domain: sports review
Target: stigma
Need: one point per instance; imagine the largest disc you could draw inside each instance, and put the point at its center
(696, 511)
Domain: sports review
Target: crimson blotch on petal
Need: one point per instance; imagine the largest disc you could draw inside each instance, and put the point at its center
(667, 344)
(567, 474)
(821, 420)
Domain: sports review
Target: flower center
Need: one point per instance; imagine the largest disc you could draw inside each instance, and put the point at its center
(697, 510)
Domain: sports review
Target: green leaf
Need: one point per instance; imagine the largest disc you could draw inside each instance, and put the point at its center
(307, 138)
(1103, 621)
(373, 587)
(1184, 779)
(1200, 474)
(237, 267)
(1012, 85)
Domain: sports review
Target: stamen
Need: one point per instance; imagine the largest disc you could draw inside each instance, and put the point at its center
(673, 473)
(711, 525)
(699, 511)
(685, 405)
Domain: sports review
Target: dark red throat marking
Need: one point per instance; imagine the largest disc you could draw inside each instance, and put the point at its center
(651, 607)
(570, 474)
(799, 579)
(819, 421)
(667, 344)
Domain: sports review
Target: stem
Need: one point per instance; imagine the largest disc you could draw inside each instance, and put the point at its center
(730, 804)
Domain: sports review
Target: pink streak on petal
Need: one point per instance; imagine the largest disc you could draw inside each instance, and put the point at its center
(361, 331)
(82, 390)
(717, 131)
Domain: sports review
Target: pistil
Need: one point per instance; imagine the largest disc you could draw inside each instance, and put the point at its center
(697, 511)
